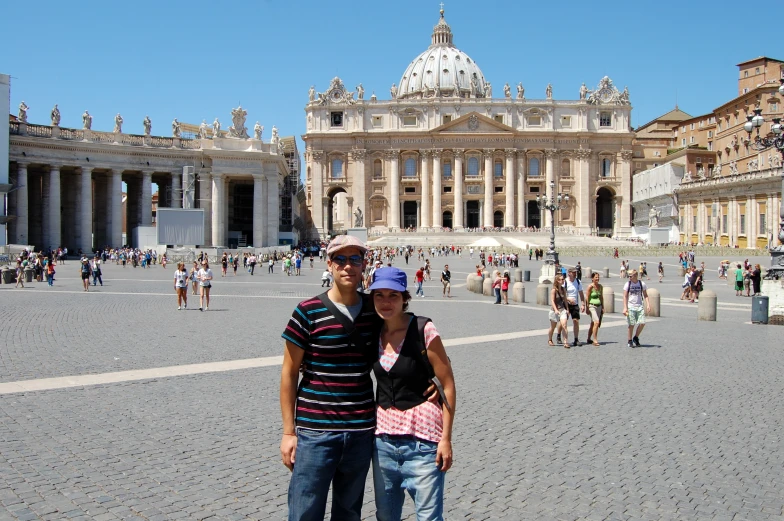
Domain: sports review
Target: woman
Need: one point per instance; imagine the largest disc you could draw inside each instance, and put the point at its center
(595, 307)
(747, 280)
(85, 270)
(181, 285)
(19, 272)
(686, 294)
(497, 288)
(224, 264)
(505, 287)
(164, 260)
(205, 281)
(661, 271)
(193, 276)
(756, 279)
(696, 285)
(236, 263)
(413, 445)
(558, 311)
(622, 273)
(49, 271)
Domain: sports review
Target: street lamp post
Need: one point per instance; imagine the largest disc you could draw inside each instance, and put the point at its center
(774, 139)
(556, 202)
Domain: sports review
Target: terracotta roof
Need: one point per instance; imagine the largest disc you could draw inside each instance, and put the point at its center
(758, 59)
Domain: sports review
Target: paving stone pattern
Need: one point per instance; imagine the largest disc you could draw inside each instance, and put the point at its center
(686, 427)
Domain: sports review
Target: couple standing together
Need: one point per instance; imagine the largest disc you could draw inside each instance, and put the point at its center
(332, 425)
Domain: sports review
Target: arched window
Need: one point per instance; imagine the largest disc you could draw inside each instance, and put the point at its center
(566, 167)
(473, 166)
(337, 168)
(533, 167)
(606, 167)
(410, 167)
(498, 168)
(377, 171)
(447, 169)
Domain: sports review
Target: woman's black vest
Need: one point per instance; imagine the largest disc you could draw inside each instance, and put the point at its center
(404, 385)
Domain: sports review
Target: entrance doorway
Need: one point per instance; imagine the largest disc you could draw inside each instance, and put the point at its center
(409, 214)
(447, 220)
(534, 215)
(240, 218)
(472, 214)
(498, 219)
(604, 211)
(332, 207)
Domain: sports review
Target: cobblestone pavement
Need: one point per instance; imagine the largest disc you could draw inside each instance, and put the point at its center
(687, 427)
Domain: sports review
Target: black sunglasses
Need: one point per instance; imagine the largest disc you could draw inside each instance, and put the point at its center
(342, 260)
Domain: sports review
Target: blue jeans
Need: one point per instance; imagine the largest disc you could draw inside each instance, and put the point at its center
(419, 290)
(497, 295)
(324, 457)
(403, 464)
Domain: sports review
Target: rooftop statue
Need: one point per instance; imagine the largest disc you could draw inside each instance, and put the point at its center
(393, 91)
(238, 118)
(118, 121)
(203, 129)
(488, 90)
(23, 112)
(507, 91)
(216, 126)
(312, 93)
(360, 91)
(258, 130)
(549, 91)
(520, 91)
(583, 91)
(176, 130)
(87, 121)
(55, 115)
(147, 125)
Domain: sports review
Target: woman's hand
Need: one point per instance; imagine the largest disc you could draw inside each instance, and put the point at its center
(444, 455)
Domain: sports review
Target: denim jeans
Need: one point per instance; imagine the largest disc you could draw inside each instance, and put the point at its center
(419, 290)
(403, 464)
(497, 295)
(324, 457)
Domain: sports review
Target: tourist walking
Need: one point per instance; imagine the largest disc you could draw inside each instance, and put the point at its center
(747, 278)
(224, 264)
(205, 281)
(181, 285)
(420, 279)
(661, 271)
(85, 271)
(738, 281)
(595, 308)
(559, 313)
(95, 267)
(20, 272)
(575, 298)
(413, 437)
(505, 287)
(446, 281)
(193, 277)
(50, 272)
(634, 293)
(271, 265)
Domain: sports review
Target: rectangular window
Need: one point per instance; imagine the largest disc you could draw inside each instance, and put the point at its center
(447, 189)
(378, 121)
(683, 141)
(762, 230)
(498, 169)
(336, 119)
(446, 118)
(710, 145)
(702, 124)
(692, 126)
(535, 121)
(724, 222)
(447, 168)
(605, 119)
(691, 139)
(499, 118)
(745, 74)
(410, 190)
(499, 189)
(409, 121)
(694, 224)
(533, 189)
(743, 224)
(774, 107)
(566, 121)
(710, 133)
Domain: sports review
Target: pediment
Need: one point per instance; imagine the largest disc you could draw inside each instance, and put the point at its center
(473, 122)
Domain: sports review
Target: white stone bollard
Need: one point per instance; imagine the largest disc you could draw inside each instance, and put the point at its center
(518, 275)
(655, 299)
(487, 287)
(606, 273)
(608, 295)
(587, 273)
(518, 292)
(706, 308)
(543, 294)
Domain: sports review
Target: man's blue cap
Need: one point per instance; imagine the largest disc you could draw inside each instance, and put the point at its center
(390, 278)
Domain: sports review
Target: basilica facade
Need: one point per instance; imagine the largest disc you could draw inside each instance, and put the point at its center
(444, 152)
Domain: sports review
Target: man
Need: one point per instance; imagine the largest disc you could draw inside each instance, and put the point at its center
(634, 291)
(579, 269)
(369, 279)
(446, 277)
(575, 299)
(329, 421)
(420, 279)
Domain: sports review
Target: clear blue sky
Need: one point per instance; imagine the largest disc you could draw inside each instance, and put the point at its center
(196, 60)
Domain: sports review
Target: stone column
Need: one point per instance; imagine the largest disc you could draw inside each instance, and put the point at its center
(438, 217)
(317, 190)
(751, 221)
(114, 195)
(522, 210)
(145, 209)
(551, 155)
(176, 190)
(326, 213)
(617, 215)
(394, 187)
(488, 199)
(272, 203)
(424, 202)
(259, 222)
(458, 219)
(358, 185)
(54, 207)
(626, 190)
(481, 213)
(205, 202)
(509, 177)
(419, 213)
(86, 210)
(218, 220)
(22, 205)
(583, 171)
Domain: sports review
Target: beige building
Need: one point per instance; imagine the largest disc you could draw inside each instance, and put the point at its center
(729, 194)
(446, 151)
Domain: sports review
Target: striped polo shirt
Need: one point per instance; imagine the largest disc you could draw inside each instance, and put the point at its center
(335, 392)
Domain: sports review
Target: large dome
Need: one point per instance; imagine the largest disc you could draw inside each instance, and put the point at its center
(442, 70)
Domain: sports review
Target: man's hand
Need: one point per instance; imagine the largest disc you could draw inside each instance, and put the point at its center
(582, 307)
(648, 308)
(625, 311)
(288, 450)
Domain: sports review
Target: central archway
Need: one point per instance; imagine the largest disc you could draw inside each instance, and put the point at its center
(337, 211)
(604, 211)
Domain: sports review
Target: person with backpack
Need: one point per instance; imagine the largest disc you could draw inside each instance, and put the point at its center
(86, 272)
(634, 293)
(413, 436)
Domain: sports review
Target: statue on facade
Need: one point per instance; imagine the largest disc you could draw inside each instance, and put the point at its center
(216, 126)
(717, 170)
(700, 172)
(87, 121)
(520, 91)
(624, 97)
(358, 221)
(118, 121)
(507, 91)
(474, 86)
(258, 130)
(275, 139)
(653, 217)
(360, 91)
(55, 115)
(752, 165)
(147, 125)
(549, 91)
(238, 130)
(733, 168)
(312, 93)
(488, 90)
(23, 112)
(775, 161)
(203, 129)
(583, 91)
(393, 91)
(176, 130)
